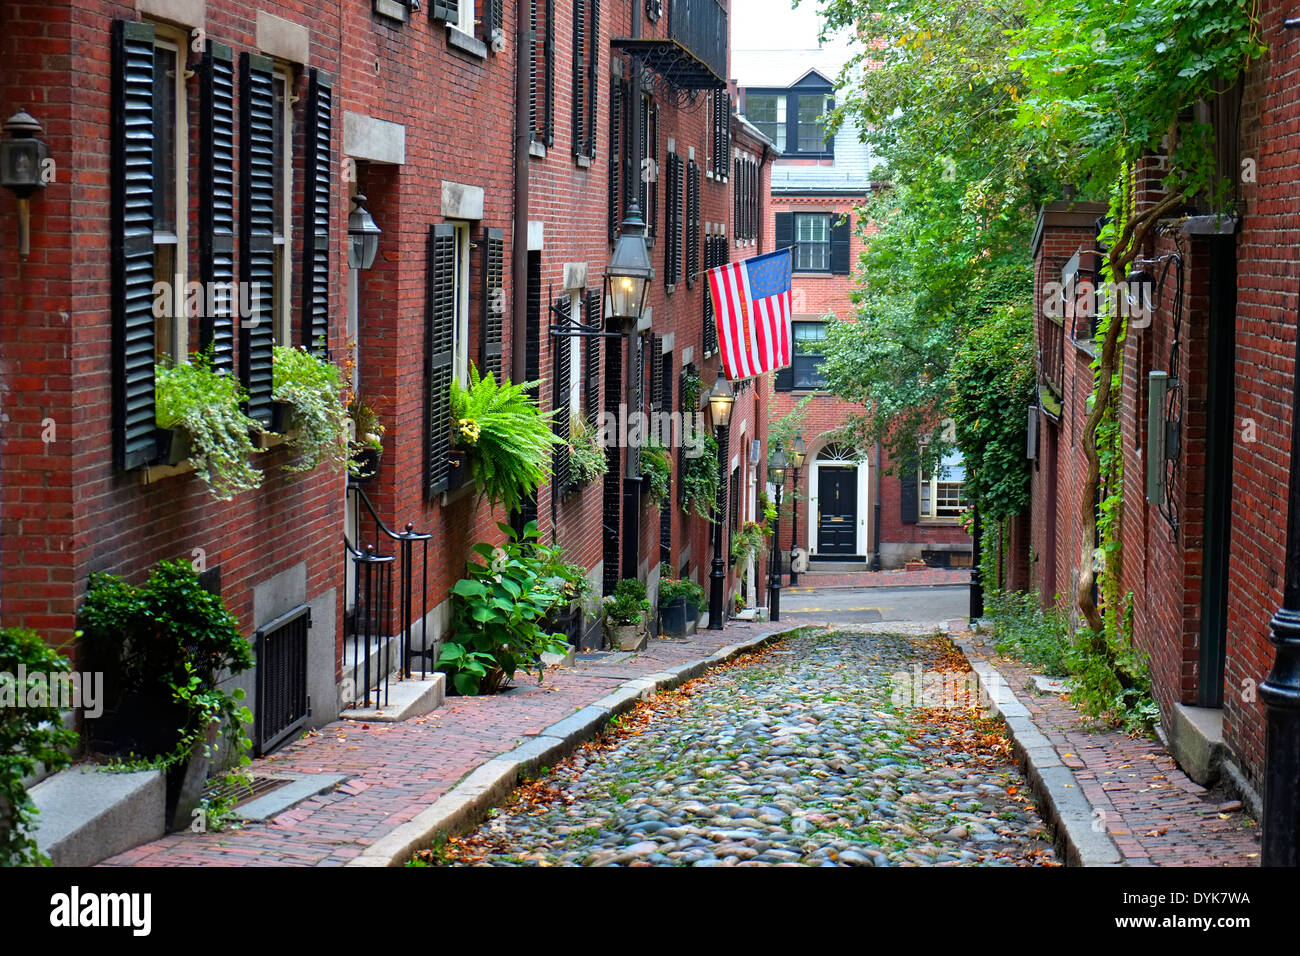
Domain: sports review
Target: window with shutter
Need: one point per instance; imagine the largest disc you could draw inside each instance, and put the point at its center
(217, 204)
(593, 73)
(611, 498)
(616, 154)
(672, 220)
(170, 193)
(440, 310)
(316, 215)
(132, 224)
(591, 361)
(549, 113)
(909, 492)
(784, 229)
(580, 50)
(692, 222)
(541, 72)
(494, 303)
(493, 25)
(560, 400)
(257, 230)
(710, 260)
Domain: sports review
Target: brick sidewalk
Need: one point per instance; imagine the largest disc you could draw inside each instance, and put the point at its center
(810, 580)
(398, 769)
(1155, 813)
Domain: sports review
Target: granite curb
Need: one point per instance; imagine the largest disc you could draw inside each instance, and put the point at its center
(467, 803)
(1060, 798)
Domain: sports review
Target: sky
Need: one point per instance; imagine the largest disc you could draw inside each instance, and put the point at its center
(775, 27)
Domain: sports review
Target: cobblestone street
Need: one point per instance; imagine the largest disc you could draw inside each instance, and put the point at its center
(802, 753)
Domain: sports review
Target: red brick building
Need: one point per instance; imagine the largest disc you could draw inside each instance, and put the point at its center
(1211, 372)
(852, 507)
(227, 141)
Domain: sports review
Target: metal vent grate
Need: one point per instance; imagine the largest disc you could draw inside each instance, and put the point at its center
(281, 677)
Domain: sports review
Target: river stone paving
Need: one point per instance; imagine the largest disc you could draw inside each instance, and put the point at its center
(798, 757)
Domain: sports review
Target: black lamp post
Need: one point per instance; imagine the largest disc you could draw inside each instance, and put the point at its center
(776, 468)
(976, 582)
(721, 401)
(798, 453)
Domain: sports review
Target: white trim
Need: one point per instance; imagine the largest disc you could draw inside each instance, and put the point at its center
(177, 42)
(282, 307)
(861, 539)
(460, 327)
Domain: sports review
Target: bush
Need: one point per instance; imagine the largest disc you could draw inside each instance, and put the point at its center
(627, 605)
(1025, 631)
(163, 648)
(320, 417)
(209, 405)
(29, 737)
(497, 614)
(670, 589)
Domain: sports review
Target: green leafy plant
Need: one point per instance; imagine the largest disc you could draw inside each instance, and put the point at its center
(497, 614)
(164, 647)
(367, 430)
(587, 460)
(567, 579)
(207, 404)
(670, 589)
(31, 734)
(749, 542)
(319, 420)
(508, 440)
(627, 605)
(699, 480)
(656, 471)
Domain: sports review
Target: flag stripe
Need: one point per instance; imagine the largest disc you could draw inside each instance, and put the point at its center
(754, 334)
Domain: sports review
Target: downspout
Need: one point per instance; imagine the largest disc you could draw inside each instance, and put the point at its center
(519, 240)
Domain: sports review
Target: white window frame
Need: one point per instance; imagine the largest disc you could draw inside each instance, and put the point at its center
(575, 361)
(177, 314)
(807, 244)
(283, 241)
(460, 327)
(927, 504)
(465, 17)
(782, 103)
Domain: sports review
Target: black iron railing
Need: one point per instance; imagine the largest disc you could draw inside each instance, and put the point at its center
(701, 27)
(385, 567)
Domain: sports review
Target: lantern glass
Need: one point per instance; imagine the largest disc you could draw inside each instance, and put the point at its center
(21, 162)
(776, 467)
(798, 451)
(722, 400)
(626, 294)
(363, 236)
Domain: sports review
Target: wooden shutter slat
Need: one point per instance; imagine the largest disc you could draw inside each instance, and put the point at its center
(217, 203)
(591, 398)
(579, 78)
(840, 233)
(132, 249)
(550, 73)
(615, 157)
(440, 309)
(257, 231)
(593, 75)
(494, 305)
(560, 401)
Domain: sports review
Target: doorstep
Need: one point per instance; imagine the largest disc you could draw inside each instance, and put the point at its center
(88, 814)
(406, 699)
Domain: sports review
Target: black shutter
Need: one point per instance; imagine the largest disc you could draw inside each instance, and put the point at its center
(672, 220)
(132, 245)
(784, 222)
(639, 173)
(710, 327)
(654, 363)
(550, 73)
(653, 218)
(533, 128)
(494, 303)
(440, 310)
(840, 246)
(909, 494)
(316, 215)
(737, 228)
(615, 157)
(692, 223)
(591, 397)
(256, 236)
(593, 76)
(217, 204)
(448, 10)
(560, 400)
(494, 19)
(579, 78)
(611, 497)
(666, 512)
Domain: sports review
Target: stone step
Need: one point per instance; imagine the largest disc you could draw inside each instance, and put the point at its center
(88, 815)
(406, 699)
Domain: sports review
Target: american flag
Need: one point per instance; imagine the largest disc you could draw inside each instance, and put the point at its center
(751, 306)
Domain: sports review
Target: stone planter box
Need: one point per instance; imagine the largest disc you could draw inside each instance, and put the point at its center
(627, 637)
(679, 617)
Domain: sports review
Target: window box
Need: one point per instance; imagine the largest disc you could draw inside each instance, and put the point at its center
(367, 466)
(173, 445)
(281, 417)
(458, 469)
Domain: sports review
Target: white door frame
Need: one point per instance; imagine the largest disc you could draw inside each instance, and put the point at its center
(860, 540)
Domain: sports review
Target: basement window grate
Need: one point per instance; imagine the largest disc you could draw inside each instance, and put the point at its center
(282, 704)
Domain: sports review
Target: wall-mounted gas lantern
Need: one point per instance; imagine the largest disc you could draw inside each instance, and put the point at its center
(24, 168)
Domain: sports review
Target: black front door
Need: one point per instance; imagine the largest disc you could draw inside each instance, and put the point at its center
(837, 510)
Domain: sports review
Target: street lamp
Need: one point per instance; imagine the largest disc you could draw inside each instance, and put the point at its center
(24, 168)
(798, 453)
(721, 402)
(363, 235)
(776, 468)
(628, 274)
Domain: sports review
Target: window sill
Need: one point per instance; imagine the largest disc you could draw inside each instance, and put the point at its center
(264, 440)
(451, 497)
(393, 10)
(813, 275)
(466, 43)
(152, 473)
(537, 150)
(939, 522)
(582, 162)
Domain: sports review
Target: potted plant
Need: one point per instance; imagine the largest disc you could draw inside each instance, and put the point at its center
(625, 616)
(656, 472)
(749, 542)
(206, 405)
(587, 459)
(367, 441)
(316, 423)
(507, 440)
(164, 648)
(498, 615)
(699, 479)
(679, 605)
(570, 582)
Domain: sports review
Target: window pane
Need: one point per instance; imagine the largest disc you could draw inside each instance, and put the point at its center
(767, 112)
(812, 235)
(812, 135)
(164, 270)
(164, 142)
